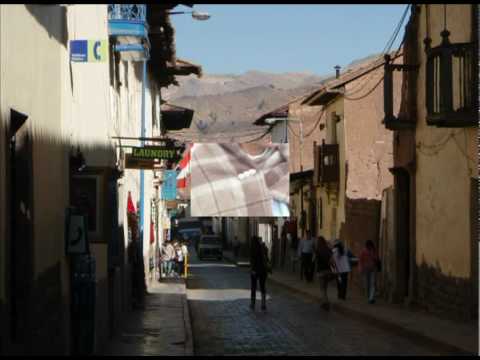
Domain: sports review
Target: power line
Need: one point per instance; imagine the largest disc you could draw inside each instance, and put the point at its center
(367, 93)
(392, 39)
(316, 123)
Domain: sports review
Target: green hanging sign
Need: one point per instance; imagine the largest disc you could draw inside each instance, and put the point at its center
(156, 152)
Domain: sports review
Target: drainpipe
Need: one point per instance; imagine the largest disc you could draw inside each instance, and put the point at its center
(142, 175)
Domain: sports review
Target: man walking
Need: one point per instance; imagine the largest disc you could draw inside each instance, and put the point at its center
(306, 250)
(259, 268)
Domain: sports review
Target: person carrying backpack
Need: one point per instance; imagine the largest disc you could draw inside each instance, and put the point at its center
(343, 267)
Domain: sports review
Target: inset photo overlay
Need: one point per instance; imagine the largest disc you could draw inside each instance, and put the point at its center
(231, 179)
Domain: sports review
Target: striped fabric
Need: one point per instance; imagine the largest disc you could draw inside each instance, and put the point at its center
(227, 181)
(183, 176)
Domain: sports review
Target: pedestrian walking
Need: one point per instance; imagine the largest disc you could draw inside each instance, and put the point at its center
(168, 258)
(180, 259)
(342, 264)
(323, 257)
(368, 266)
(184, 249)
(306, 249)
(260, 267)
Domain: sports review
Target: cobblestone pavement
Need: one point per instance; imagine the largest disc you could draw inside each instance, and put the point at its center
(156, 330)
(223, 324)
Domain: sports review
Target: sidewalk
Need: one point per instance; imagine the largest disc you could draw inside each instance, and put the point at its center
(161, 328)
(418, 326)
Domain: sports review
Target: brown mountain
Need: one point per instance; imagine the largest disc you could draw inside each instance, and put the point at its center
(225, 105)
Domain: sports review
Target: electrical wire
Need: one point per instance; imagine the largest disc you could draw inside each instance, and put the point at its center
(316, 123)
(367, 93)
(396, 31)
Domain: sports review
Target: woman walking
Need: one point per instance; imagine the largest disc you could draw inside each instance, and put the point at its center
(324, 257)
(259, 264)
(368, 267)
(342, 264)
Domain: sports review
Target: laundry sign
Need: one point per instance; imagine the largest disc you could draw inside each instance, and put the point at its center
(154, 152)
(88, 50)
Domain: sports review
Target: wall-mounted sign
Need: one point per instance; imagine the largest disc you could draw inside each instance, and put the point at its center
(169, 186)
(76, 232)
(156, 152)
(88, 50)
(136, 163)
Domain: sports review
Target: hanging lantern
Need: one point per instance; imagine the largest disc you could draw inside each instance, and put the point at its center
(451, 83)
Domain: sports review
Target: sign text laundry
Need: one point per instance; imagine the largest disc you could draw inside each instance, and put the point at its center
(154, 153)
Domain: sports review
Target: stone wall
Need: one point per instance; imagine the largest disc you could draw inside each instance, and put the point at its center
(445, 295)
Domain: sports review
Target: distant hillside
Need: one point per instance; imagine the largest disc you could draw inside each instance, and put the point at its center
(224, 83)
(228, 104)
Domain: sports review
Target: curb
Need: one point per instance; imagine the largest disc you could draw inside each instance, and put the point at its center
(415, 337)
(187, 324)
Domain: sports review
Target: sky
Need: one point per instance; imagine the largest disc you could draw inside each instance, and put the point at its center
(284, 38)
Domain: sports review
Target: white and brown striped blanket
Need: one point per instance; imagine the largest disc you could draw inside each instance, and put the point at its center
(227, 181)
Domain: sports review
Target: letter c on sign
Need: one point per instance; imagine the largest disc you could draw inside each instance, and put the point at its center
(95, 47)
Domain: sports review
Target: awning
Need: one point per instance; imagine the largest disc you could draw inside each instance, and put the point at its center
(175, 117)
(184, 67)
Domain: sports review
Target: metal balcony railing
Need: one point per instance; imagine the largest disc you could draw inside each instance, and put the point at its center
(128, 12)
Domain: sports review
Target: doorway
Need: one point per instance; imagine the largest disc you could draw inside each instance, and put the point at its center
(402, 183)
(21, 226)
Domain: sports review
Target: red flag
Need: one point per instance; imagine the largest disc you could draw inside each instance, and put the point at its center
(152, 233)
(184, 174)
(130, 206)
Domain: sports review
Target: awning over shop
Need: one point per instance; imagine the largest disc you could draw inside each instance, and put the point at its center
(175, 117)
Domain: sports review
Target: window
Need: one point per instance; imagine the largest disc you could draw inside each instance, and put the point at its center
(86, 197)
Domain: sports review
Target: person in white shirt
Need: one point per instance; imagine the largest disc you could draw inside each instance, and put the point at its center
(342, 264)
(184, 249)
(179, 253)
(306, 249)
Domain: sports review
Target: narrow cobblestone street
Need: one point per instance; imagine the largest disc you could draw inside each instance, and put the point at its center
(222, 323)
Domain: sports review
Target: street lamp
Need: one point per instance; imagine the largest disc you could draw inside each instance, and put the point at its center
(273, 120)
(195, 14)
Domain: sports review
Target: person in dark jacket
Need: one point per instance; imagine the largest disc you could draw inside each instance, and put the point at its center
(259, 267)
(323, 256)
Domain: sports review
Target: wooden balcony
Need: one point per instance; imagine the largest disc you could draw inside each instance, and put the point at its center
(327, 164)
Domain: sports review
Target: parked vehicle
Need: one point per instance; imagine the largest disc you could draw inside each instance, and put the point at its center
(191, 235)
(210, 246)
